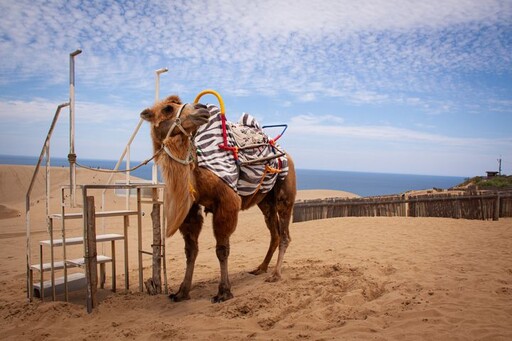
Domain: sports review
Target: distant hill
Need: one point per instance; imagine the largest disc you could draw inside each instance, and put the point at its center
(499, 182)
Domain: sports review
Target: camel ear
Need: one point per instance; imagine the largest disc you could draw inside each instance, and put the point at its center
(147, 115)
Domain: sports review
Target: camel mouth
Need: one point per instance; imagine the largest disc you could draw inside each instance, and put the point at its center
(200, 117)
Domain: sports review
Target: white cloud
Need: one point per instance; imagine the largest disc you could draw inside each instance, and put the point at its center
(331, 46)
(308, 97)
(431, 57)
(41, 110)
(332, 128)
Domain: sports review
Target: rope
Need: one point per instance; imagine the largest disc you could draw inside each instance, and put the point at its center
(143, 163)
(268, 170)
(177, 123)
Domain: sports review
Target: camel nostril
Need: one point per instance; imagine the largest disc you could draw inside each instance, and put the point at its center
(199, 106)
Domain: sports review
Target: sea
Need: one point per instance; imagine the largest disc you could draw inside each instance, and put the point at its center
(361, 183)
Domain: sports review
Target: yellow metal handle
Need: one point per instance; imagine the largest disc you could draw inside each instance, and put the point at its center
(216, 94)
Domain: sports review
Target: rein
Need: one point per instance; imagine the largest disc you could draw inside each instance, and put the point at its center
(177, 123)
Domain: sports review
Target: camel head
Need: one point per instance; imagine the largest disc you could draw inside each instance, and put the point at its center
(171, 117)
(173, 125)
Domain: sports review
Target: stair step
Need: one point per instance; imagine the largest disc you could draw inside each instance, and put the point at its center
(99, 214)
(72, 262)
(79, 240)
(76, 281)
(100, 259)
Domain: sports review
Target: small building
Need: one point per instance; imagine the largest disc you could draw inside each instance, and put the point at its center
(491, 174)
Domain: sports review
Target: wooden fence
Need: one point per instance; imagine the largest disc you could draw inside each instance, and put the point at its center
(460, 206)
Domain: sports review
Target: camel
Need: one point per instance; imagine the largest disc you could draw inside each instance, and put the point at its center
(190, 188)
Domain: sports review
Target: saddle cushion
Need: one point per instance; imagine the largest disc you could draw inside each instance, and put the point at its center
(245, 178)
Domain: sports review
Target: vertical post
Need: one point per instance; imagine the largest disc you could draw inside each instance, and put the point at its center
(48, 185)
(164, 263)
(154, 174)
(63, 235)
(126, 269)
(127, 177)
(139, 237)
(49, 223)
(72, 155)
(496, 216)
(90, 252)
(157, 81)
(154, 284)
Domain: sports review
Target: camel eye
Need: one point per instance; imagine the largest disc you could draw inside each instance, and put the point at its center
(168, 110)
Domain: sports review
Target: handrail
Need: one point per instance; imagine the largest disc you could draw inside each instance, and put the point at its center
(125, 151)
(128, 144)
(44, 150)
(214, 93)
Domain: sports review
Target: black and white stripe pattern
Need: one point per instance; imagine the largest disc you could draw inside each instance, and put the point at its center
(245, 178)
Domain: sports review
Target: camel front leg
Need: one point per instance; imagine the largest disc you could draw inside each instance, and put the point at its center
(224, 292)
(224, 224)
(190, 230)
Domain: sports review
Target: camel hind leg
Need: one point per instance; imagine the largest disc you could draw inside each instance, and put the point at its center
(285, 214)
(277, 208)
(190, 230)
(285, 199)
(268, 208)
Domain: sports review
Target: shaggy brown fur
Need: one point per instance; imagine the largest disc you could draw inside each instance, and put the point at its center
(189, 187)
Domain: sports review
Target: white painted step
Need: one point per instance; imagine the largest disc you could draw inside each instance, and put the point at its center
(79, 240)
(99, 214)
(72, 262)
(76, 281)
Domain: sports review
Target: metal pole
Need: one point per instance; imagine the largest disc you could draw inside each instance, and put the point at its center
(72, 155)
(157, 81)
(154, 174)
(127, 198)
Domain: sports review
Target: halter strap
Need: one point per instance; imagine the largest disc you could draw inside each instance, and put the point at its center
(177, 123)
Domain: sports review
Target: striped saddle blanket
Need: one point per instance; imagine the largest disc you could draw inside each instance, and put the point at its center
(251, 174)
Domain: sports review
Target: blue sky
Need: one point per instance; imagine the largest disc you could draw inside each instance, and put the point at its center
(420, 87)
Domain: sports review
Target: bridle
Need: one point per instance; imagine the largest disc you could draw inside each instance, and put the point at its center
(178, 124)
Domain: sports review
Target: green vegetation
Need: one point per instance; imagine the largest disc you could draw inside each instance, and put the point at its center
(496, 182)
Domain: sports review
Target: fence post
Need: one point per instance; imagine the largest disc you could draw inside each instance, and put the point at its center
(91, 271)
(154, 284)
(497, 207)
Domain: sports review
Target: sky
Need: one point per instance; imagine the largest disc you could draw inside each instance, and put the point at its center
(395, 86)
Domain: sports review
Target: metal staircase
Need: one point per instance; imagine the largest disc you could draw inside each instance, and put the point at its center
(55, 286)
(57, 256)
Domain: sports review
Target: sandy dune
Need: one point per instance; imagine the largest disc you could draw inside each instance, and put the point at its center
(346, 278)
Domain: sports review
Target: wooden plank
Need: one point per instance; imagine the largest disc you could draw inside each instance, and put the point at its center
(154, 284)
(91, 271)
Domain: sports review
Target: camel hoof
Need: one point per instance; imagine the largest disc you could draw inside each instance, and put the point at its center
(257, 272)
(222, 297)
(178, 297)
(273, 278)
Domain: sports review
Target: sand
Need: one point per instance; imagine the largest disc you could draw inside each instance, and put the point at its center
(344, 278)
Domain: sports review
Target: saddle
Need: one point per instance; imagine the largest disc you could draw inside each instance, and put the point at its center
(250, 162)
